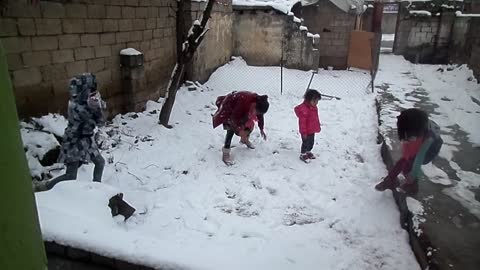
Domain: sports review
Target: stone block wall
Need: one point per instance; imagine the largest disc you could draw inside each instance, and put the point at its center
(217, 47)
(49, 43)
(264, 36)
(446, 20)
(259, 34)
(423, 31)
(459, 47)
(300, 50)
(440, 38)
(472, 6)
(424, 39)
(465, 44)
(474, 39)
(334, 27)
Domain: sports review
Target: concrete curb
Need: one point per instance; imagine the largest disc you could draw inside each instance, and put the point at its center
(65, 257)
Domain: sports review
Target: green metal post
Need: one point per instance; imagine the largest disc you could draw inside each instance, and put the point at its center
(21, 244)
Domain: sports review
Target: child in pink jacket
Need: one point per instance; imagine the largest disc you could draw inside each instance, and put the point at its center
(308, 122)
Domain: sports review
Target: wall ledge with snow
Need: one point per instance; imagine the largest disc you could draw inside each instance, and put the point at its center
(61, 257)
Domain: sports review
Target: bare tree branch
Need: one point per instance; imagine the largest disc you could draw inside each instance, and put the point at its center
(186, 51)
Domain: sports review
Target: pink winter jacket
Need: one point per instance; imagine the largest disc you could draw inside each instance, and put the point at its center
(308, 121)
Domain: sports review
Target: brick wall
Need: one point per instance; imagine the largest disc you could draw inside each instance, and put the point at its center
(334, 27)
(217, 47)
(49, 43)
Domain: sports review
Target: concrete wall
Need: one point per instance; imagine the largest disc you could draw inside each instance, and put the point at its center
(49, 43)
(258, 36)
(217, 47)
(300, 51)
(421, 39)
(424, 39)
(263, 36)
(474, 38)
(472, 6)
(439, 39)
(459, 47)
(334, 27)
(465, 44)
(389, 23)
(447, 19)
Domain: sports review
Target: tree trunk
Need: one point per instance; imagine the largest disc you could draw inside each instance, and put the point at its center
(167, 107)
(186, 53)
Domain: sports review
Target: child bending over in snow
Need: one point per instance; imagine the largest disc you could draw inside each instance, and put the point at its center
(78, 146)
(421, 142)
(238, 112)
(308, 122)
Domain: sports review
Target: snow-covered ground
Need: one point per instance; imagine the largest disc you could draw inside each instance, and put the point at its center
(456, 97)
(268, 211)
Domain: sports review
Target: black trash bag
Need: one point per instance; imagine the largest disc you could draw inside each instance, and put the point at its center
(119, 207)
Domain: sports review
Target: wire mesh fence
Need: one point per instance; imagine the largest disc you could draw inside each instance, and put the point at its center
(344, 84)
(338, 83)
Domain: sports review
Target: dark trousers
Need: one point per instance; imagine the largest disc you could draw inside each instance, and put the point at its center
(307, 143)
(228, 139)
(72, 169)
(402, 166)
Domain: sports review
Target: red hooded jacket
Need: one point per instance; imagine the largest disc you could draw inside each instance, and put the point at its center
(235, 109)
(308, 121)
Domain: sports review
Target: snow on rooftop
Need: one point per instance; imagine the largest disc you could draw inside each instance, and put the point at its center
(448, 6)
(129, 51)
(284, 6)
(460, 14)
(420, 12)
